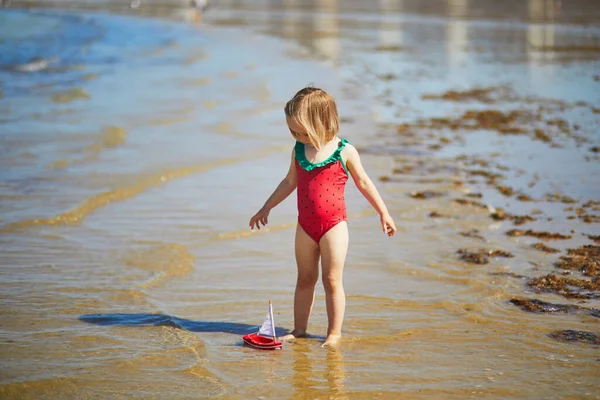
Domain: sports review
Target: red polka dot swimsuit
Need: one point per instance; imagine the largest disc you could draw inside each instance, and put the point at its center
(321, 204)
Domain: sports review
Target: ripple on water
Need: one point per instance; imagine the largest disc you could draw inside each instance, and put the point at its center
(165, 261)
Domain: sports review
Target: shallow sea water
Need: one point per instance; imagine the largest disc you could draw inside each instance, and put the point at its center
(134, 151)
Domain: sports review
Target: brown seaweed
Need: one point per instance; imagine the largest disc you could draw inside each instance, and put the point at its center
(425, 195)
(569, 335)
(542, 247)
(466, 202)
(594, 205)
(539, 306)
(508, 273)
(483, 95)
(539, 134)
(524, 197)
(501, 215)
(404, 170)
(505, 190)
(589, 219)
(595, 238)
(539, 235)
(570, 288)
(435, 214)
(472, 233)
(481, 256)
(559, 198)
(521, 219)
(585, 259)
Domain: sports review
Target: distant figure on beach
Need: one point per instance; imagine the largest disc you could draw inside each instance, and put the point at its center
(320, 165)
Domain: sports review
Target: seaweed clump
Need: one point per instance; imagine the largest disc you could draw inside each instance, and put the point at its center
(570, 288)
(542, 247)
(435, 214)
(585, 259)
(474, 233)
(481, 256)
(570, 335)
(595, 238)
(524, 197)
(468, 202)
(484, 95)
(425, 195)
(539, 235)
(539, 306)
(501, 215)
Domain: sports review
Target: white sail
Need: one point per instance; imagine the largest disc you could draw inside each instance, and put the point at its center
(268, 326)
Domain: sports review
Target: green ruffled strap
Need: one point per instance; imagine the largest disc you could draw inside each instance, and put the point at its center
(308, 166)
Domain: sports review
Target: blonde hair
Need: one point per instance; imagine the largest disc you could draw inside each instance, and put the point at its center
(315, 111)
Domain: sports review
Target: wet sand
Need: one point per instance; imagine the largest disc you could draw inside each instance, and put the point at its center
(133, 159)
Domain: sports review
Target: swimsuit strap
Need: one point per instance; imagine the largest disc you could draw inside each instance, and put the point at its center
(308, 166)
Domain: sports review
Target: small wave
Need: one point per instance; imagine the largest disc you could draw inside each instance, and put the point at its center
(166, 260)
(35, 65)
(248, 232)
(110, 137)
(211, 383)
(130, 297)
(78, 214)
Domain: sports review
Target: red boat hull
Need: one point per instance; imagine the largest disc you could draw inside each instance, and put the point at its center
(260, 342)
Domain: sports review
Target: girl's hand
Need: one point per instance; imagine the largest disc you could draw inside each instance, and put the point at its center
(261, 217)
(387, 223)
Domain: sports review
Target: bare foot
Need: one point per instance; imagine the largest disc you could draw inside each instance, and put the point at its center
(332, 341)
(292, 336)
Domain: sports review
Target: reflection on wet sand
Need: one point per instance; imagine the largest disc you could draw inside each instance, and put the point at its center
(540, 36)
(326, 37)
(336, 375)
(457, 34)
(289, 20)
(390, 34)
(316, 376)
(319, 32)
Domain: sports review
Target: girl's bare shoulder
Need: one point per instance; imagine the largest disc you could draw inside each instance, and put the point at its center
(349, 150)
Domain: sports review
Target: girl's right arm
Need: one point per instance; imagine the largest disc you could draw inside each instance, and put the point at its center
(285, 188)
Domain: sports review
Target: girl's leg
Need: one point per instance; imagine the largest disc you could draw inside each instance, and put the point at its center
(307, 261)
(334, 246)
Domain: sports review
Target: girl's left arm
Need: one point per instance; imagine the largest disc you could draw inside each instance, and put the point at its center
(367, 188)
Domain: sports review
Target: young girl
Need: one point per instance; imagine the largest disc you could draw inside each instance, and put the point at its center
(320, 165)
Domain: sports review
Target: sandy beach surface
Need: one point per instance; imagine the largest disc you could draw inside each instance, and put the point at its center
(136, 144)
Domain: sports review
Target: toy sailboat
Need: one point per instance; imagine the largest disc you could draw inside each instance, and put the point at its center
(265, 338)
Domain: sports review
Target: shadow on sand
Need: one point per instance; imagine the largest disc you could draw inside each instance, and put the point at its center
(118, 319)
